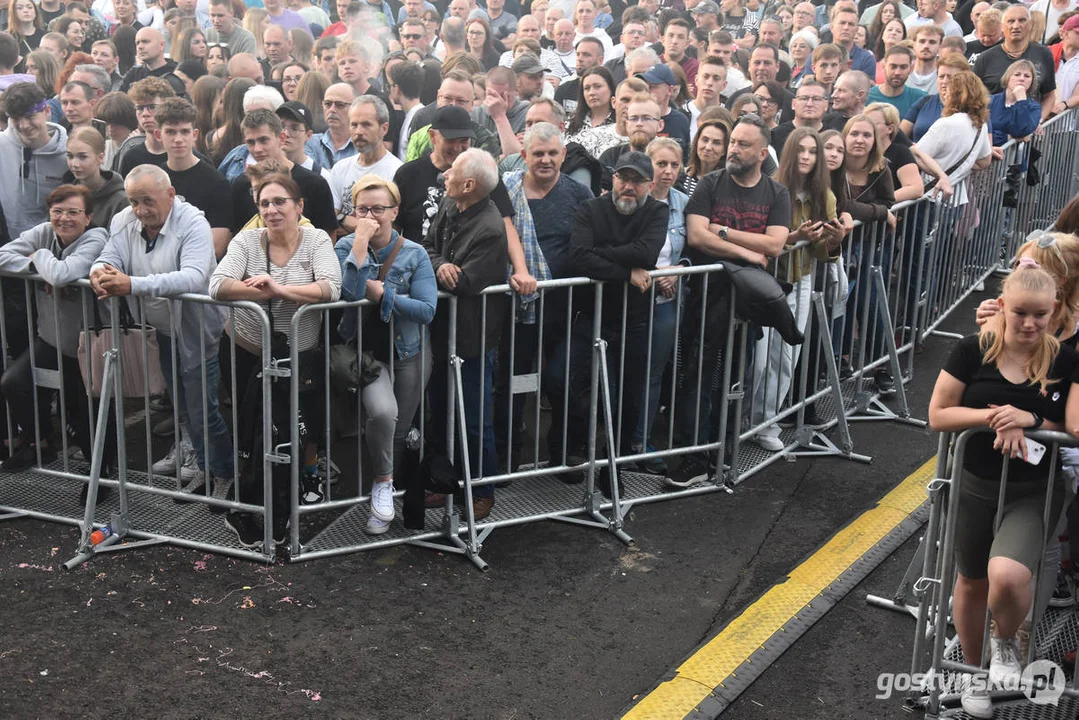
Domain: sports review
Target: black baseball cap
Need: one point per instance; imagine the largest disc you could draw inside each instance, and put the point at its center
(296, 111)
(638, 162)
(453, 122)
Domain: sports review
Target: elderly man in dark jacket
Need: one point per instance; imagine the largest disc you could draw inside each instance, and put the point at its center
(467, 246)
(616, 238)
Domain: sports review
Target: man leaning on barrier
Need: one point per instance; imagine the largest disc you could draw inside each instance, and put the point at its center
(616, 238)
(467, 246)
(159, 247)
(735, 215)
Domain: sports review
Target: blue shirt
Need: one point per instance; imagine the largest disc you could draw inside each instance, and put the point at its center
(924, 113)
(552, 217)
(1017, 121)
(320, 147)
(863, 60)
(902, 102)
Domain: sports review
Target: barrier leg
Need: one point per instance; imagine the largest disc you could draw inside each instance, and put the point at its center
(617, 520)
(814, 441)
(119, 521)
(472, 546)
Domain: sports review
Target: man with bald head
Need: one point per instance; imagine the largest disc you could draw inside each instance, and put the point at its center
(277, 44)
(849, 96)
(451, 38)
(327, 148)
(528, 27)
(245, 65)
(150, 51)
(158, 247)
(564, 50)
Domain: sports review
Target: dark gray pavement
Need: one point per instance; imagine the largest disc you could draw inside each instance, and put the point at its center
(568, 623)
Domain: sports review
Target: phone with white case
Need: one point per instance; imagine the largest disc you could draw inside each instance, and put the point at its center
(1035, 451)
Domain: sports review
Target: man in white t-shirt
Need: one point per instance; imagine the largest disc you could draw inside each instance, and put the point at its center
(934, 12)
(368, 121)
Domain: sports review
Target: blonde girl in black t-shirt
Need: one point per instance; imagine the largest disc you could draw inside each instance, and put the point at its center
(1012, 376)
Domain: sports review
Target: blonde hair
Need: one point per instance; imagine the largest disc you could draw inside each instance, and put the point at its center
(1060, 258)
(89, 136)
(1031, 278)
(373, 182)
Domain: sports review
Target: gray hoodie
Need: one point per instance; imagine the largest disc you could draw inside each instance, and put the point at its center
(109, 199)
(58, 266)
(24, 184)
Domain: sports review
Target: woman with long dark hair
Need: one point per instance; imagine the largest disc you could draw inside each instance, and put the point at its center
(228, 134)
(804, 172)
(204, 96)
(190, 44)
(888, 11)
(707, 153)
(480, 43)
(595, 107)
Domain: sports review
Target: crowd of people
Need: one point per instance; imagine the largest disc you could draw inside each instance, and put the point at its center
(300, 153)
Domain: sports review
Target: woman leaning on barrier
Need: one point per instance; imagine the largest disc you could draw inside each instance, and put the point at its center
(1012, 112)
(804, 172)
(61, 251)
(379, 264)
(282, 266)
(1011, 376)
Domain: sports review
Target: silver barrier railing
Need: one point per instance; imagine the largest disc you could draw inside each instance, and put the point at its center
(938, 658)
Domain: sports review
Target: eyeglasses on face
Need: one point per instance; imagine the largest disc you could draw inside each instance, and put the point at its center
(641, 119)
(411, 36)
(339, 104)
(278, 202)
(372, 210)
(65, 212)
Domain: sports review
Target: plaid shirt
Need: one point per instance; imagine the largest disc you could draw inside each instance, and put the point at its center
(526, 229)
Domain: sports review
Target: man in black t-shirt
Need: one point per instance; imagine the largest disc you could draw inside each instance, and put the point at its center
(737, 215)
(196, 181)
(992, 63)
(150, 50)
(264, 136)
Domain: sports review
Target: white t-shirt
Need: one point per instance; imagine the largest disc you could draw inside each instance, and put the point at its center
(346, 172)
(925, 83)
(1052, 15)
(602, 36)
(402, 141)
(1067, 78)
(949, 140)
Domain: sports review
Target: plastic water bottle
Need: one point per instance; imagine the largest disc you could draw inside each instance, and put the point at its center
(99, 536)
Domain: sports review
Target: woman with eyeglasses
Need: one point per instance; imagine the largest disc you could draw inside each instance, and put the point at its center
(282, 266)
(61, 251)
(25, 24)
(769, 95)
(291, 75)
(396, 275)
(85, 160)
(480, 43)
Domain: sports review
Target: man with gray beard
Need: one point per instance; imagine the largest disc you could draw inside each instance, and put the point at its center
(616, 238)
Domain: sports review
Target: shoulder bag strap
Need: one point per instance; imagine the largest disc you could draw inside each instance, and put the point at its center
(265, 236)
(385, 269)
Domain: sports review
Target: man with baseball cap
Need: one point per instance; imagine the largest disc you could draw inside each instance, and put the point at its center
(616, 238)
(529, 71)
(451, 133)
(1067, 76)
(706, 15)
(663, 86)
(298, 124)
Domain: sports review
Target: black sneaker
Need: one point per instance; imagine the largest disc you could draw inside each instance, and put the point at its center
(885, 383)
(26, 457)
(694, 468)
(246, 530)
(1064, 592)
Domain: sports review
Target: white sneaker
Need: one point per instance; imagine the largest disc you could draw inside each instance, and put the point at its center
(768, 438)
(976, 701)
(193, 484)
(376, 526)
(168, 464)
(1005, 667)
(382, 501)
(189, 465)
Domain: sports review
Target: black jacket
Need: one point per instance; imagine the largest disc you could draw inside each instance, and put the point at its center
(475, 241)
(607, 245)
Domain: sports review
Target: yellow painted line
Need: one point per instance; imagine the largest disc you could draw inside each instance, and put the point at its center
(720, 657)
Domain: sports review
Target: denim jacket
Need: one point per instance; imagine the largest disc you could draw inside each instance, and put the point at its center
(234, 164)
(676, 225)
(409, 291)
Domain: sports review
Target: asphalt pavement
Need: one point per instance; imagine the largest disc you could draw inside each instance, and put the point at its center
(568, 623)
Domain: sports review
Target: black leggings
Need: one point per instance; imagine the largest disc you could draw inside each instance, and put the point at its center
(17, 387)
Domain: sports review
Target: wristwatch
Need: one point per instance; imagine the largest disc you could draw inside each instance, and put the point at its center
(723, 232)
(1038, 420)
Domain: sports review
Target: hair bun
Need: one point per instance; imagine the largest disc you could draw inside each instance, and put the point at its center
(1027, 262)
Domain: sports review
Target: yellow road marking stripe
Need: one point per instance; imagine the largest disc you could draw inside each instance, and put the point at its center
(721, 656)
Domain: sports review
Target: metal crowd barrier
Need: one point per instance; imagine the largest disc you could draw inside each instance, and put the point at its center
(863, 315)
(937, 659)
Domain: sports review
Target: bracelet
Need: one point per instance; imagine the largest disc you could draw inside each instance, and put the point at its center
(1038, 420)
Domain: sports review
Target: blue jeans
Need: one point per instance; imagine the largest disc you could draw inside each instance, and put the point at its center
(188, 399)
(473, 401)
(664, 330)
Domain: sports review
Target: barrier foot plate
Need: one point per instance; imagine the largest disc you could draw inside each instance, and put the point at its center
(818, 444)
(12, 515)
(110, 544)
(874, 409)
(470, 553)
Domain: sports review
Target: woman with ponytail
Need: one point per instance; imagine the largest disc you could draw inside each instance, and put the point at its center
(1012, 376)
